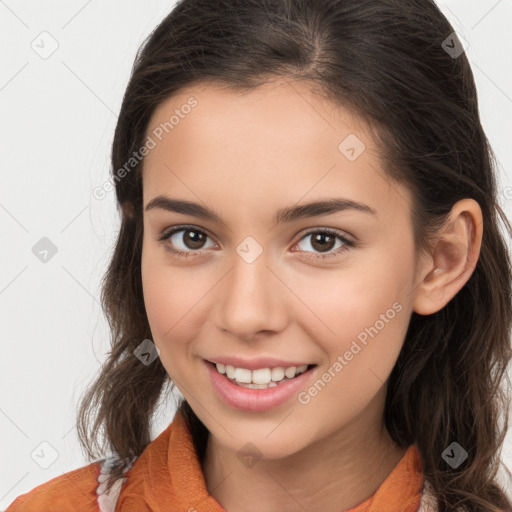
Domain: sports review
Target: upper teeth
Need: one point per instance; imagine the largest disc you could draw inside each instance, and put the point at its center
(261, 375)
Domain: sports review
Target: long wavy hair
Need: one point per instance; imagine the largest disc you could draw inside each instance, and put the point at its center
(392, 63)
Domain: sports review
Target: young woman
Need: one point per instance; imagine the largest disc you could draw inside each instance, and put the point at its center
(310, 252)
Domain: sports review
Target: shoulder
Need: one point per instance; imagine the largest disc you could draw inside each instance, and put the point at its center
(63, 493)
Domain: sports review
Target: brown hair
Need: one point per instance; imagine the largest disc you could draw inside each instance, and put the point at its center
(385, 60)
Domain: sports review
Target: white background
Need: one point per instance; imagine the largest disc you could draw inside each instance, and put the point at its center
(57, 122)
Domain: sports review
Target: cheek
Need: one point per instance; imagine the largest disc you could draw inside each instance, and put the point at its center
(171, 299)
(342, 306)
(362, 313)
(166, 306)
(369, 326)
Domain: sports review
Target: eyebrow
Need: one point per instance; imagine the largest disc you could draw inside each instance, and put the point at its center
(283, 215)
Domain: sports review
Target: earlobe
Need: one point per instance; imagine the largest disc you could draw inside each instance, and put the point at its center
(453, 258)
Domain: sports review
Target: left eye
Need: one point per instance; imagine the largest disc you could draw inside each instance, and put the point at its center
(324, 241)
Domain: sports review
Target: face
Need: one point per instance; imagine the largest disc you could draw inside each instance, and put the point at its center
(330, 287)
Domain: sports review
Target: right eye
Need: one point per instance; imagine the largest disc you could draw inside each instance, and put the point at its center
(185, 241)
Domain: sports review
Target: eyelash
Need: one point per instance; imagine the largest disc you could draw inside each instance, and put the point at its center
(347, 244)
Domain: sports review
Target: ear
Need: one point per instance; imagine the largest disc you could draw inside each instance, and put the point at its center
(452, 260)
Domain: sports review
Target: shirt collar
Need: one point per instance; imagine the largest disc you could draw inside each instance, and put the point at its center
(170, 472)
(400, 492)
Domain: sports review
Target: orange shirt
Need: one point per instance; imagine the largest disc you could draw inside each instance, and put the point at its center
(167, 477)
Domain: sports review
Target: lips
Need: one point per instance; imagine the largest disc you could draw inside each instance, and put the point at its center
(257, 400)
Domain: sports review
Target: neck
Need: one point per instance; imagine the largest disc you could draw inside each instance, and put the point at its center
(334, 473)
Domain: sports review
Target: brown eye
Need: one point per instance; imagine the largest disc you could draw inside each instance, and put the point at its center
(185, 240)
(324, 244)
(193, 239)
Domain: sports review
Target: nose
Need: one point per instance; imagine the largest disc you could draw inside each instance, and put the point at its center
(252, 299)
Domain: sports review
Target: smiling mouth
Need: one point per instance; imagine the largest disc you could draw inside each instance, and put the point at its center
(260, 378)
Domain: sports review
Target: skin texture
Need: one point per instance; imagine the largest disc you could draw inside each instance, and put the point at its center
(246, 156)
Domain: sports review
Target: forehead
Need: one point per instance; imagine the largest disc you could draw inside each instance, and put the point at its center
(283, 113)
(276, 144)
